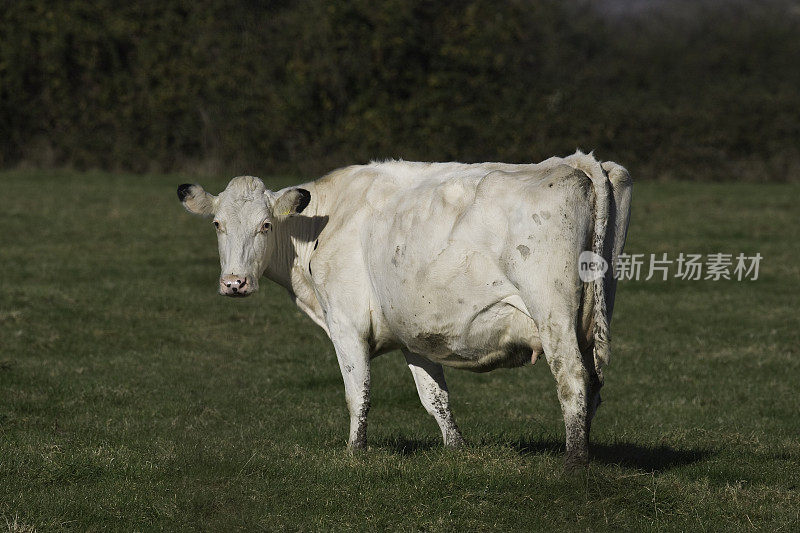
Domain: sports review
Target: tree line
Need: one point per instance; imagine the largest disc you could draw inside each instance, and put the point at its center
(696, 91)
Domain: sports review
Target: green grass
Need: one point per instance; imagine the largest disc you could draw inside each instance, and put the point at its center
(132, 397)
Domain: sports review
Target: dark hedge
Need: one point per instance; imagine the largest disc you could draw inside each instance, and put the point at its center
(698, 91)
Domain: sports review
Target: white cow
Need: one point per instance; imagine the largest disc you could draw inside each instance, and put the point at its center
(472, 266)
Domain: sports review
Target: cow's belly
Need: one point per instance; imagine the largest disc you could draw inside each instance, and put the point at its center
(459, 310)
(499, 335)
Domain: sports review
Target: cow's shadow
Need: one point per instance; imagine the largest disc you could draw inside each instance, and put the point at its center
(405, 446)
(625, 454)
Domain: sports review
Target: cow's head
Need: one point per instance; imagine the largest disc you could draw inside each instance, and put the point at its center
(244, 216)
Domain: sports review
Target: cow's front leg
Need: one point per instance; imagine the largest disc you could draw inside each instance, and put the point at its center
(353, 355)
(432, 390)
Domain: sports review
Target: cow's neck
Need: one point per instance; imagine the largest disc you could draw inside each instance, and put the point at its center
(294, 241)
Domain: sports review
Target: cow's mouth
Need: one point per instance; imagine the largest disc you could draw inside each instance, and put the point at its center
(235, 293)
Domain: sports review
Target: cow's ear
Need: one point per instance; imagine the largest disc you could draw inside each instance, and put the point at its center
(196, 200)
(291, 203)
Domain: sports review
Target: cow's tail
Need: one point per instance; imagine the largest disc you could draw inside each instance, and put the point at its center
(602, 194)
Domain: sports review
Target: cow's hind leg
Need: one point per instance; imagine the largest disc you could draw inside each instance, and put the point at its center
(574, 387)
(551, 288)
(432, 390)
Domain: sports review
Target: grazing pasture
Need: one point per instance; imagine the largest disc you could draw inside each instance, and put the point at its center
(133, 397)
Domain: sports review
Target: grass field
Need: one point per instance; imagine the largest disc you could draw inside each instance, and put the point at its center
(132, 397)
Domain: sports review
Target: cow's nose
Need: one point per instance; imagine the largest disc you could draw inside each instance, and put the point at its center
(233, 285)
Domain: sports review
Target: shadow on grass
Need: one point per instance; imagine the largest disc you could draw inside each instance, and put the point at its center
(625, 454)
(404, 446)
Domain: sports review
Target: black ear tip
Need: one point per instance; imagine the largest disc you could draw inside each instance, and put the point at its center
(184, 190)
(305, 198)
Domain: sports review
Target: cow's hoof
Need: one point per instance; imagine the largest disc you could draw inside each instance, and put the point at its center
(455, 441)
(576, 462)
(355, 448)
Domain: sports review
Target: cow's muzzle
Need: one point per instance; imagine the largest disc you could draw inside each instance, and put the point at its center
(232, 285)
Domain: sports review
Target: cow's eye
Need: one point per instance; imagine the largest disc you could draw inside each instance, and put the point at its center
(216, 224)
(265, 226)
